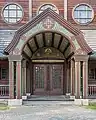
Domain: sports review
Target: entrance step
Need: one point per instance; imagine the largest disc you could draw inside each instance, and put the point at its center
(45, 103)
(49, 98)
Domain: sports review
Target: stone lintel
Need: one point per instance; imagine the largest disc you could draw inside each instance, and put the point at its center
(81, 57)
(15, 57)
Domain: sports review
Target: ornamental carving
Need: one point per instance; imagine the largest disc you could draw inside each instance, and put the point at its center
(48, 23)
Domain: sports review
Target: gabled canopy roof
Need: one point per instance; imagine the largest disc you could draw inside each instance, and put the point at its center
(48, 12)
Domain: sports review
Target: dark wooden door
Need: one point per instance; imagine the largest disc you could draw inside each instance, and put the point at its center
(48, 79)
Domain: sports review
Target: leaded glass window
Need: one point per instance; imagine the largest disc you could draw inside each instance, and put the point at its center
(83, 14)
(56, 76)
(39, 77)
(12, 13)
(45, 6)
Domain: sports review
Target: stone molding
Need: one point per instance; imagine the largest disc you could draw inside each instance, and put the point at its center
(15, 57)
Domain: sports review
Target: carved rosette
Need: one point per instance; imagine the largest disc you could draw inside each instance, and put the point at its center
(48, 23)
(16, 51)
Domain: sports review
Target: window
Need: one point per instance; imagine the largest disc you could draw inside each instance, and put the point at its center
(12, 13)
(83, 14)
(45, 6)
(3, 73)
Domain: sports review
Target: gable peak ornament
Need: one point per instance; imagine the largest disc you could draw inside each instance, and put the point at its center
(48, 23)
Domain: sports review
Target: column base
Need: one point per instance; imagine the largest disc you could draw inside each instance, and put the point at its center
(24, 97)
(14, 102)
(81, 102)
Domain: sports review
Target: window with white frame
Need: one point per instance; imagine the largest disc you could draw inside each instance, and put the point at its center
(3, 73)
(45, 6)
(83, 14)
(12, 13)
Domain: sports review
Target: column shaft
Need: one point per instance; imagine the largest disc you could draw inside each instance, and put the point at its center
(11, 79)
(72, 77)
(18, 79)
(77, 79)
(85, 79)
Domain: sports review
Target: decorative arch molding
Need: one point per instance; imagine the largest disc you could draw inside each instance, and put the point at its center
(47, 21)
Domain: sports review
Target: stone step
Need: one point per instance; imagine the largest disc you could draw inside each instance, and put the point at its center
(48, 98)
(36, 103)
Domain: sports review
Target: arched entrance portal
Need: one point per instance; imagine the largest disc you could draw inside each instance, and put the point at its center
(46, 54)
(42, 50)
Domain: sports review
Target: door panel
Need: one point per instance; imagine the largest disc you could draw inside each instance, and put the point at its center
(57, 79)
(48, 79)
(39, 79)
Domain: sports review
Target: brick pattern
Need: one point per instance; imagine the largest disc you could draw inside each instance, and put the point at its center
(72, 4)
(24, 4)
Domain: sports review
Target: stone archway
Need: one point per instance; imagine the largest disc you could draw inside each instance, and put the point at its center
(32, 36)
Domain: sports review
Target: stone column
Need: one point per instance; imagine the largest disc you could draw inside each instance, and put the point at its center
(67, 83)
(18, 79)
(24, 78)
(11, 79)
(85, 79)
(65, 78)
(77, 79)
(72, 78)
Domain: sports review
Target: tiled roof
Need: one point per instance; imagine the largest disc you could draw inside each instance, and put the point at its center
(5, 38)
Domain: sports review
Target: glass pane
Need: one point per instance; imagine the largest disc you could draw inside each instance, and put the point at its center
(12, 6)
(56, 76)
(39, 77)
(12, 13)
(12, 20)
(83, 14)
(7, 7)
(5, 13)
(6, 19)
(44, 7)
(19, 13)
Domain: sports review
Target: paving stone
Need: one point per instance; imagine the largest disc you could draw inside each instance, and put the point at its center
(48, 112)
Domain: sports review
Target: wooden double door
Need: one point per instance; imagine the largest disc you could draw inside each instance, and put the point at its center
(48, 79)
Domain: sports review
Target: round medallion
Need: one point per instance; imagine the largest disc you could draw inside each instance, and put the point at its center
(48, 23)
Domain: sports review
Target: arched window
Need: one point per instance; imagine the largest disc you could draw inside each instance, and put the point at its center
(45, 6)
(12, 13)
(83, 14)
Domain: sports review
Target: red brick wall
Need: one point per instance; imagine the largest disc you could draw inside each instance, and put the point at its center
(73, 3)
(24, 4)
(58, 3)
(37, 3)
